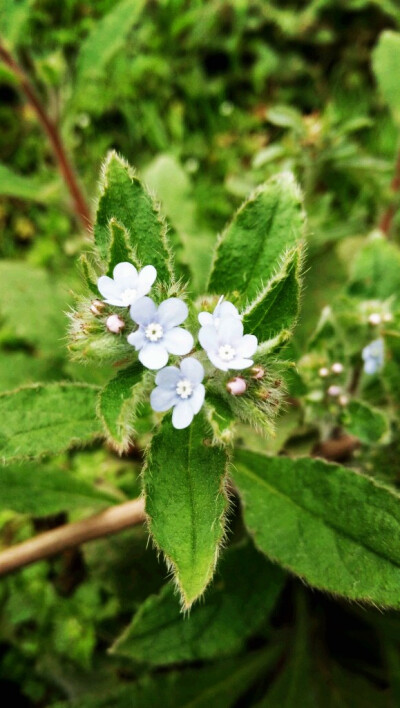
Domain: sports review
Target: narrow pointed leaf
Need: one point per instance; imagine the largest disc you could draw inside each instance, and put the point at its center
(124, 198)
(186, 503)
(89, 274)
(120, 249)
(118, 402)
(249, 252)
(335, 528)
(43, 419)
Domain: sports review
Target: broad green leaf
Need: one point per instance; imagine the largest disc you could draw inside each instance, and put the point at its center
(32, 306)
(220, 685)
(244, 593)
(120, 249)
(44, 419)
(106, 38)
(376, 270)
(39, 489)
(30, 188)
(220, 417)
(367, 423)
(186, 503)
(335, 528)
(386, 65)
(123, 196)
(14, 16)
(118, 402)
(276, 308)
(250, 250)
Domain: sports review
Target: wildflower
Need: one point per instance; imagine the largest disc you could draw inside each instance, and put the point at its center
(374, 319)
(337, 368)
(222, 310)
(236, 386)
(180, 389)
(323, 372)
(115, 324)
(127, 285)
(373, 356)
(334, 391)
(158, 334)
(227, 347)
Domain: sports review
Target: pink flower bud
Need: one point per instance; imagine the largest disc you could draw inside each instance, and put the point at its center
(337, 368)
(257, 372)
(236, 386)
(375, 319)
(334, 391)
(115, 324)
(97, 307)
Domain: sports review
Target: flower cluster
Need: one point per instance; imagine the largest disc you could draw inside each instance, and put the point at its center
(159, 334)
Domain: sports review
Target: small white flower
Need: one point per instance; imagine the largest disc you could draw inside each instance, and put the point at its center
(226, 346)
(223, 309)
(127, 285)
(373, 356)
(180, 389)
(158, 334)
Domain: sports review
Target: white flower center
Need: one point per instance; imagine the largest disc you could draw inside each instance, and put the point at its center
(226, 352)
(184, 388)
(128, 296)
(154, 332)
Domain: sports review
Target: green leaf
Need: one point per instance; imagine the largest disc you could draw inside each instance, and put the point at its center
(89, 274)
(106, 38)
(274, 312)
(250, 250)
(243, 595)
(386, 65)
(367, 423)
(220, 417)
(44, 419)
(376, 270)
(118, 401)
(120, 250)
(30, 188)
(123, 196)
(330, 525)
(38, 489)
(220, 685)
(186, 503)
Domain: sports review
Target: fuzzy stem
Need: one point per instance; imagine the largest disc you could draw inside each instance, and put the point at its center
(81, 208)
(110, 521)
(388, 216)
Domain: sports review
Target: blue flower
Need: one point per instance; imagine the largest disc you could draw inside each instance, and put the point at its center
(373, 356)
(180, 389)
(158, 334)
(222, 310)
(127, 285)
(226, 346)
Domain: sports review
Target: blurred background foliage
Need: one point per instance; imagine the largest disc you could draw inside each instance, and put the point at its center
(207, 99)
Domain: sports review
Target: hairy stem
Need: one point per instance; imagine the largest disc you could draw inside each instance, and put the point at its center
(81, 208)
(388, 216)
(107, 522)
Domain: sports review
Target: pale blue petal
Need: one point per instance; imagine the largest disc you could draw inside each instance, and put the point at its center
(137, 339)
(215, 359)
(192, 370)
(205, 318)
(182, 415)
(168, 377)
(371, 366)
(161, 399)
(146, 278)
(144, 311)
(226, 309)
(153, 356)
(230, 330)
(125, 275)
(240, 363)
(178, 341)
(208, 338)
(247, 346)
(109, 290)
(172, 312)
(197, 398)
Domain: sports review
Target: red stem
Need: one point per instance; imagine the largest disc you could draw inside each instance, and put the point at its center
(387, 218)
(80, 206)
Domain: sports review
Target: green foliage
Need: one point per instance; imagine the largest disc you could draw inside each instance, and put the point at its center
(251, 248)
(44, 419)
(301, 514)
(117, 404)
(119, 250)
(186, 503)
(386, 65)
(376, 270)
(20, 187)
(123, 197)
(367, 423)
(243, 595)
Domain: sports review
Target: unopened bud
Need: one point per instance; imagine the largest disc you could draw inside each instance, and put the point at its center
(375, 319)
(343, 400)
(334, 391)
(236, 386)
(257, 372)
(115, 324)
(337, 368)
(323, 372)
(97, 307)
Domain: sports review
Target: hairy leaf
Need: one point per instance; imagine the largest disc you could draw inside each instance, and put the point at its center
(249, 252)
(120, 249)
(118, 401)
(386, 65)
(367, 423)
(244, 593)
(220, 417)
(186, 503)
(334, 527)
(44, 419)
(123, 196)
